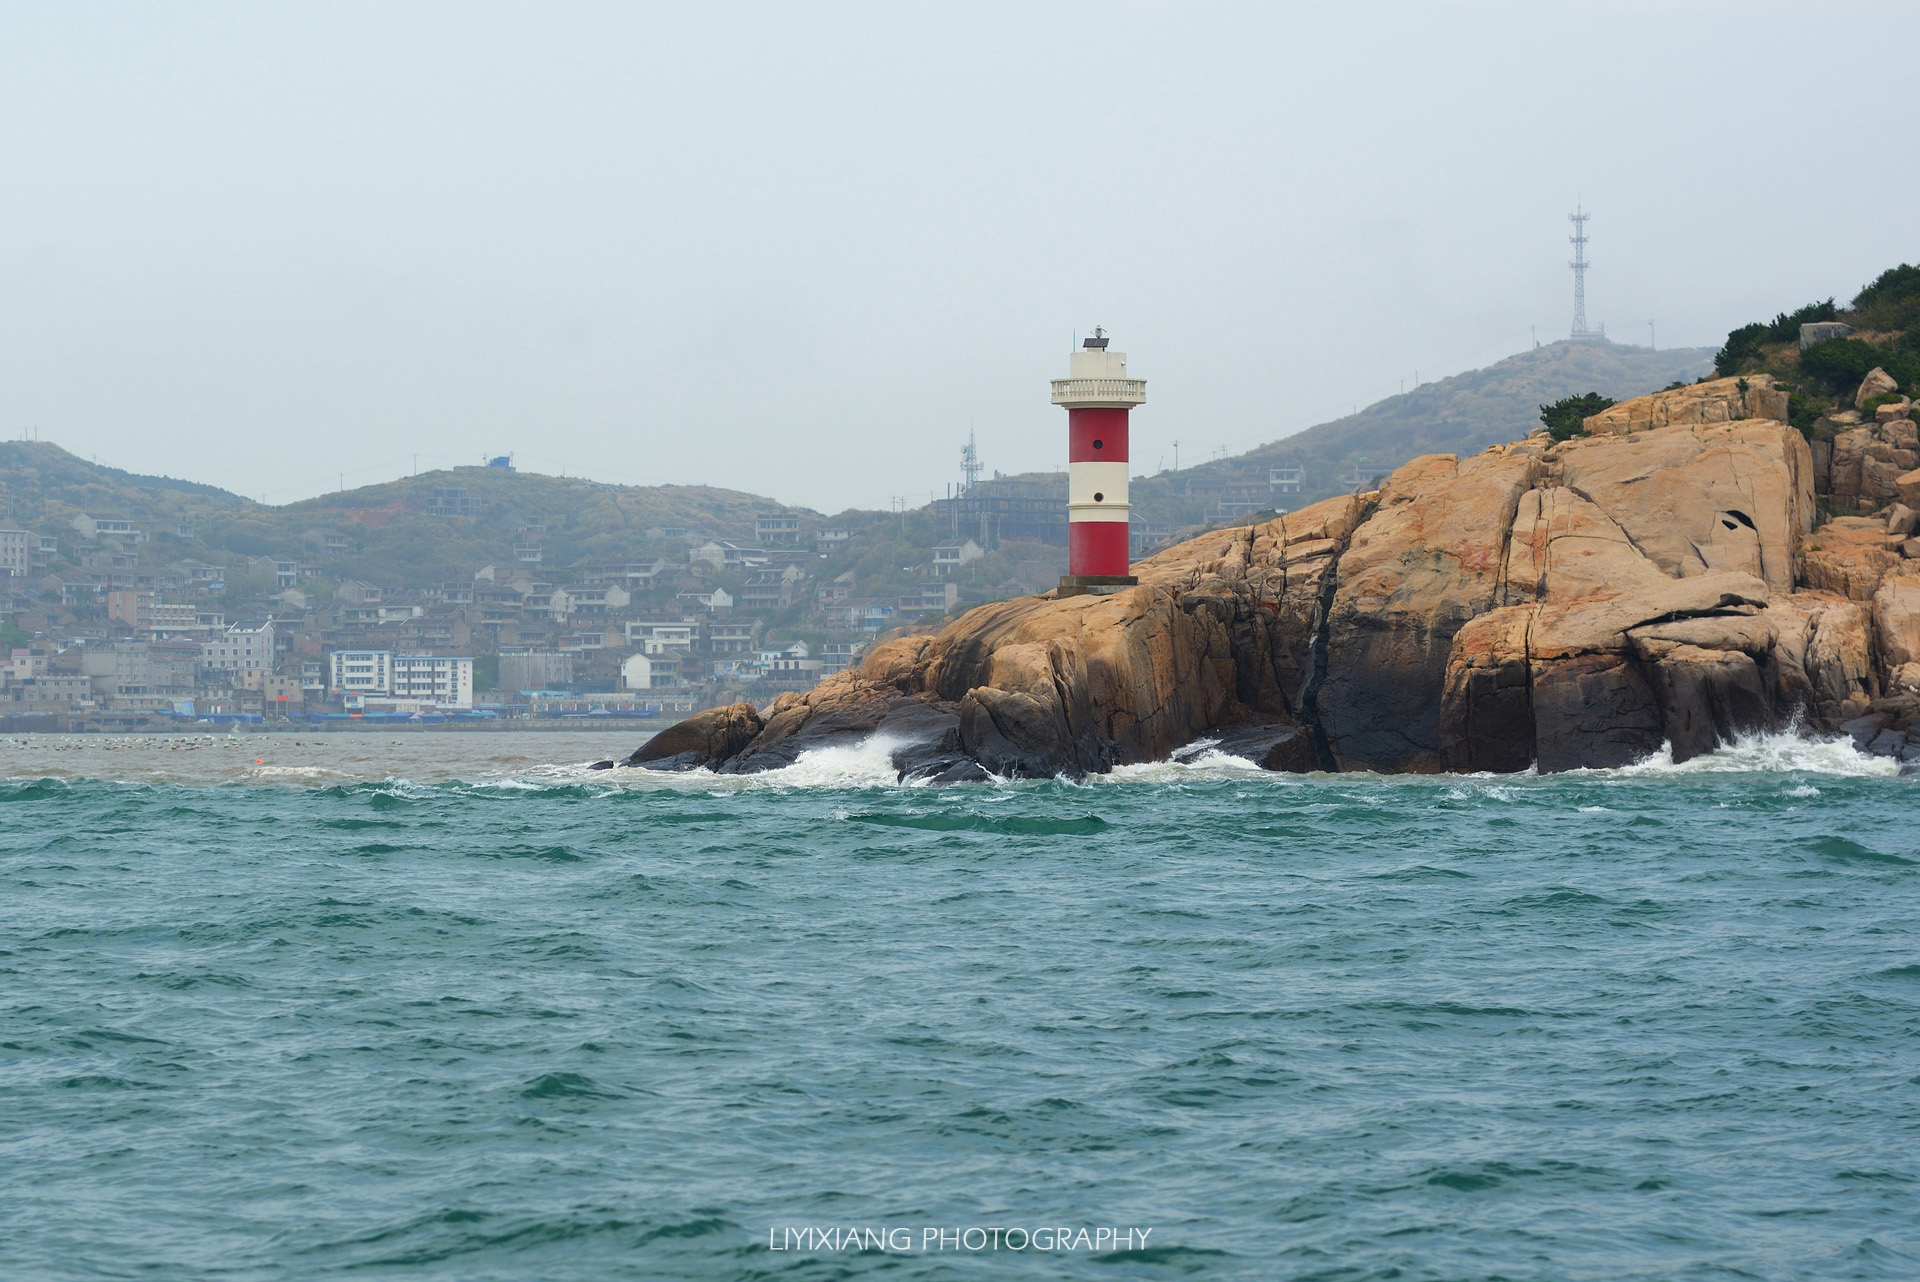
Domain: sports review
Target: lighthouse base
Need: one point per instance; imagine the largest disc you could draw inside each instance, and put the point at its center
(1095, 584)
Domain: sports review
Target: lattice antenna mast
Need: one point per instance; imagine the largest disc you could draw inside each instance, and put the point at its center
(970, 462)
(1579, 264)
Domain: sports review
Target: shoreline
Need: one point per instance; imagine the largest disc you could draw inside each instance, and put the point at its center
(555, 725)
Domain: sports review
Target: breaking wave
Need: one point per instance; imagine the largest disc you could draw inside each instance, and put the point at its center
(1775, 752)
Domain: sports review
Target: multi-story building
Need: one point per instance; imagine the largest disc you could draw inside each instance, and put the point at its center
(712, 601)
(732, 637)
(522, 670)
(452, 500)
(933, 598)
(776, 527)
(106, 527)
(838, 656)
(766, 591)
(16, 551)
(662, 636)
(596, 601)
(247, 643)
(360, 672)
(172, 618)
(416, 681)
(643, 672)
(432, 680)
(131, 608)
(949, 557)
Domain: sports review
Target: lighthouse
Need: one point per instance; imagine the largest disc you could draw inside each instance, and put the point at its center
(1097, 395)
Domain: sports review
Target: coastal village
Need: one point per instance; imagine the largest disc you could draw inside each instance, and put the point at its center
(114, 623)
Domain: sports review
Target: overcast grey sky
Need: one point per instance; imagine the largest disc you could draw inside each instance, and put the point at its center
(797, 249)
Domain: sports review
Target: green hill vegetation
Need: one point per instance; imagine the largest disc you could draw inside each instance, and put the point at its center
(1885, 321)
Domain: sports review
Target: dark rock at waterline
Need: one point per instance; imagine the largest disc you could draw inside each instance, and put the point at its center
(1281, 747)
(710, 739)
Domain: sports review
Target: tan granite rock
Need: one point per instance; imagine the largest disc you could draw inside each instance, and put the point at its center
(1877, 383)
(1718, 401)
(1695, 500)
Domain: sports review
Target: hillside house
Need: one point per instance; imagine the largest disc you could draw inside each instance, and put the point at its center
(99, 527)
(948, 557)
(838, 656)
(933, 598)
(357, 592)
(839, 590)
(710, 602)
(766, 591)
(586, 601)
(776, 527)
(661, 636)
(739, 636)
(649, 672)
(452, 500)
(727, 556)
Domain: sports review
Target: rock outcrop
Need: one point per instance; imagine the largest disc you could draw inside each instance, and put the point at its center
(1659, 580)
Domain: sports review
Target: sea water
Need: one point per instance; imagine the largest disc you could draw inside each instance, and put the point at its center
(453, 1006)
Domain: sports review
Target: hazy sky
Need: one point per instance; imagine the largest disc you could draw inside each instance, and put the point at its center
(798, 249)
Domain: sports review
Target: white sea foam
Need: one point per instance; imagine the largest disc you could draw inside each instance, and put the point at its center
(868, 763)
(1782, 752)
(865, 764)
(1206, 765)
(296, 772)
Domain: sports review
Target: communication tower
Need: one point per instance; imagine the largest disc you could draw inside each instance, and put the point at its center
(969, 462)
(1579, 264)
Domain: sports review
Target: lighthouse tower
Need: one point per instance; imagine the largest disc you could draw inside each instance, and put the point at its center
(1097, 395)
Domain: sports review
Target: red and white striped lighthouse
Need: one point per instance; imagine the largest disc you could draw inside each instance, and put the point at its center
(1097, 395)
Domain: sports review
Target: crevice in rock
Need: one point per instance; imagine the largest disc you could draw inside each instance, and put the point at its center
(1309, 701)
(1533, 715)
(1625, 533)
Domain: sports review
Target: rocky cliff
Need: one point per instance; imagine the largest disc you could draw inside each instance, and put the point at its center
(1659, 579)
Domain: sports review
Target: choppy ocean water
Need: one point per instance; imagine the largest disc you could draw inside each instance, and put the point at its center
(452, 1007)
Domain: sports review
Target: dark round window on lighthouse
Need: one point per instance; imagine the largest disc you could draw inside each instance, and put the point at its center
(1099, 444)
(1099, 497)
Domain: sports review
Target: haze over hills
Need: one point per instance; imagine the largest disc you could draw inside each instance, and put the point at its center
(1462, 414)
(394, 538)
(1468, 412)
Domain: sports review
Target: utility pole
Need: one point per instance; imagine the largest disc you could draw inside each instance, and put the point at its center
(1176, 456)
(1650, 338)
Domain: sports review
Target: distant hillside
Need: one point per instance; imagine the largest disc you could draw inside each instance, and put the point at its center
(1459, 415)
(394, 538)
(43, 483)
(391, 537)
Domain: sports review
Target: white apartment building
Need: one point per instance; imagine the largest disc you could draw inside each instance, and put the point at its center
(16, 550)
(432, 680)
(640, 672)
(247, 643)
(661, 638)
(361, 672)
(402, 680)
